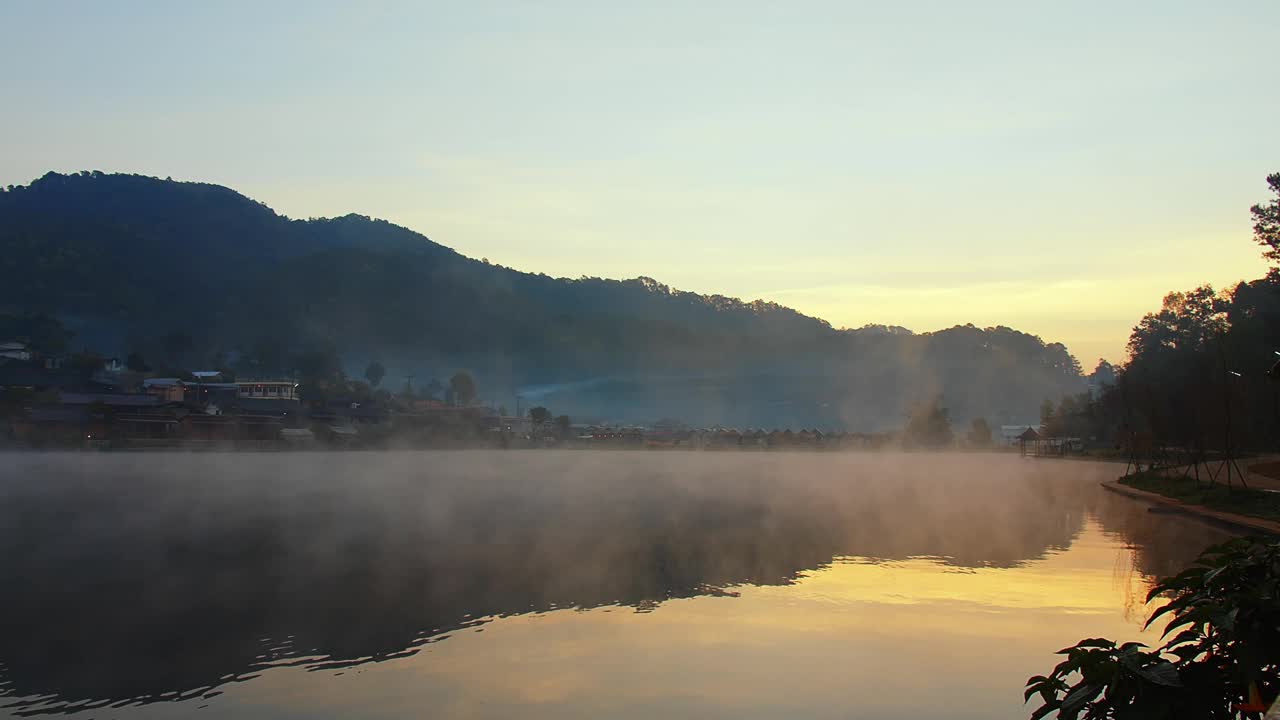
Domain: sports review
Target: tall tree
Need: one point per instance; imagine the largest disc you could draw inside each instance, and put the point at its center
(320, 362)
(319, 373)
(929, 424)
(374, 373)
(1046, 412)
(979, 433)
(135, 363)
(539, 415)
(43, 334)
(463, 388)
(177, 344)
(1266, 221)
(265, 358)
(1187, 321)
(1103, 374)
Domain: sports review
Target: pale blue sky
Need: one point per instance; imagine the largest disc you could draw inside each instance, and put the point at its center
(1055, 167)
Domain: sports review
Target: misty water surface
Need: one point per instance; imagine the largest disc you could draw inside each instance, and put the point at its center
(559, 584)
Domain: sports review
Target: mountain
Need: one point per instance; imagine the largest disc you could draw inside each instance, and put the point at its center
(136, 261)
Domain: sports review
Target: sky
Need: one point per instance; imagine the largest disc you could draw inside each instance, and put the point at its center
(1054, 167)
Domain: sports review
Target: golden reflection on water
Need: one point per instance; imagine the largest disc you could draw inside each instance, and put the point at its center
(901, 639)
(1063, 581)
(700, 585)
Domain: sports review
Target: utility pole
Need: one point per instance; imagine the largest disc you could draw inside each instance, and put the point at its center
(1228, 460)
(408, 385)
(1226, 440)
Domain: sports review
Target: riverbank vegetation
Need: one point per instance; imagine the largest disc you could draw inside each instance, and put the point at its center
(1221, 659)
(1212, 495)
(1201, 374)
(1200, 382)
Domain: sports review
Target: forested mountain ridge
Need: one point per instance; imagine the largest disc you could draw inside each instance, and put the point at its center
(148, 257)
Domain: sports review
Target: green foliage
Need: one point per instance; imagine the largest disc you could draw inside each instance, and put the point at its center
(266, 357)
(1103, 374)
(1199, 367)
(979, 433)
(1077, 416)
(317, 363)
(43, 334)
(1222, 654)
(358, 390)
(154, 259)
(1239, 500)
(1224, 611)
(462, 388)
(177, 345)
(1046, 412)
(929, 425)
(539, 415)
(1187, 322)
(1200, 372)
(135, 363)
(1266, 221)
(374, 373)
(85, 362)
(319, 373)
(15, 401)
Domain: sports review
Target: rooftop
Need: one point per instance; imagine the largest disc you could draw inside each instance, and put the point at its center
(112, 399)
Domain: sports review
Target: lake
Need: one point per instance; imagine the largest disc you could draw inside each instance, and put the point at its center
(553, 584)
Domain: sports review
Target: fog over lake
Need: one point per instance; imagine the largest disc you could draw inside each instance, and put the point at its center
(559, 583)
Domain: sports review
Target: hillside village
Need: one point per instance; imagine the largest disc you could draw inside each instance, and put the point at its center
(186, 273)
(85, 400)
(53, 399)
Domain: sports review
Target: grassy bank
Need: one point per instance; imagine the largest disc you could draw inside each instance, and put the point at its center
(1254, 503)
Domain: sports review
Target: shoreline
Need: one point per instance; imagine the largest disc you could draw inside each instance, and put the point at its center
(522, 447)
(1218, 517)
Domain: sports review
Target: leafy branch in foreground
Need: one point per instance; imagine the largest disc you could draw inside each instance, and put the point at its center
(1223, 657)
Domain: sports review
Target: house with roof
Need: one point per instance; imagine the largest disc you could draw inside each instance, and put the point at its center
(268, 389)
(169, 390)
(214, 397)
(14, 350)
(60, 425)
(290, 412)
(113, 401)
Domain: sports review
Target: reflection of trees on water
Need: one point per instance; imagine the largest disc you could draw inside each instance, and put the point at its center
(151, 575)
(1162, 546)
(1159, 546)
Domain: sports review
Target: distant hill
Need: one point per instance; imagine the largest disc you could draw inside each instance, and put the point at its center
(137, 259)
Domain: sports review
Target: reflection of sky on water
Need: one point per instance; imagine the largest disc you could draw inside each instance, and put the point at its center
(722, 586)
(908, 638)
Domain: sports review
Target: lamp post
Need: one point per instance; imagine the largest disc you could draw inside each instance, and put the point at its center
(1274, 375)
(1228, 461)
